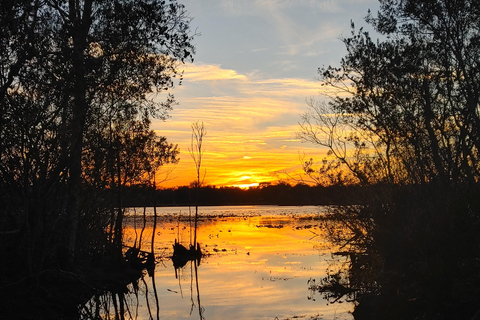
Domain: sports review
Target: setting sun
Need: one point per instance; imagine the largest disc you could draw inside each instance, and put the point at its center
(246, 186)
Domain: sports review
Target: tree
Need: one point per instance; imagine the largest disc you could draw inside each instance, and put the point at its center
(125, 152)
(80, 78)
(406, 119)
(410, 102)
(196, 152)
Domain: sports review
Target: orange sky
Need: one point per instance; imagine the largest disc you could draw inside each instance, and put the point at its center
(255, 68)
(250, 122)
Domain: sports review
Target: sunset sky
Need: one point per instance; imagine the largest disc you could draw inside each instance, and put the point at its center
(255, 67)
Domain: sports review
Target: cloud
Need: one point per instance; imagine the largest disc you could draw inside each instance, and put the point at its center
(261, 7)
(259, 49)
(251, 124)
(253, 74)
(202, 72)
(300, 27)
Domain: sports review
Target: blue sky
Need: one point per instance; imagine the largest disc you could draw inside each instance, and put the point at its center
(255, 67)
(274, 39)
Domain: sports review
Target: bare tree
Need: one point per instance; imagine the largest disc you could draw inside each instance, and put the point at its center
(196, 152)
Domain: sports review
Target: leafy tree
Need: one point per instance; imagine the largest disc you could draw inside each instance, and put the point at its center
(79, 83)
(406, 120)
(408, 104)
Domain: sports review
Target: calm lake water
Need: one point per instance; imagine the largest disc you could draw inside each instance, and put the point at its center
(258, 264)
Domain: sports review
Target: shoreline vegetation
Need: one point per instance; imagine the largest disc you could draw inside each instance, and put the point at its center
(413, 254)
(270, 194)
(80, 82)
(405, 116)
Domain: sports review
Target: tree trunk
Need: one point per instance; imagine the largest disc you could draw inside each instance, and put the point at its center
(79, 31)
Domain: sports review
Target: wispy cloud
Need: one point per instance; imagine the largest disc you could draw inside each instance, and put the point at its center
(255, 67)
(259, 49)
(250, 125)
(300, 26)
(202, 72)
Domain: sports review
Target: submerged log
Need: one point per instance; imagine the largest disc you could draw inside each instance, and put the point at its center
(181, 255)
(137, 258)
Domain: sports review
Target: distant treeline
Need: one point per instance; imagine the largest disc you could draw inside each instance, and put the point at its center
(274, 194)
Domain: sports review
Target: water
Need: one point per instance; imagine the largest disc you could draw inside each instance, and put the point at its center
(252, 210)
(258, 264)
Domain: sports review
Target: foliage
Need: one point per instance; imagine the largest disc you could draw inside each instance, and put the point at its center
(413, 254)
(273, 194)
(407, 106)
(125, 152)
(79, 82)
(405, 121)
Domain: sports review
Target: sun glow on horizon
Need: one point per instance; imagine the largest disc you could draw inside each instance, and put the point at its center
(251, 124)
(246, 186)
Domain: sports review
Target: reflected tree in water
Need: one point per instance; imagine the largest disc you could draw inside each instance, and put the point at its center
(124, 301)
(194, 284)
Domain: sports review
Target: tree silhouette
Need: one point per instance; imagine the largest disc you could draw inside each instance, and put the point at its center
(407, 105)
(196, 152)
(79, 82)
(405, 121)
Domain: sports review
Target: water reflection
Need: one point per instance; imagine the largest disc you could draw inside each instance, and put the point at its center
(125, 300)
(139, 299)
(195, 301)
(254, 267)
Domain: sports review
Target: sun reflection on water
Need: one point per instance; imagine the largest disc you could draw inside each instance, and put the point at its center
(255, 267)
